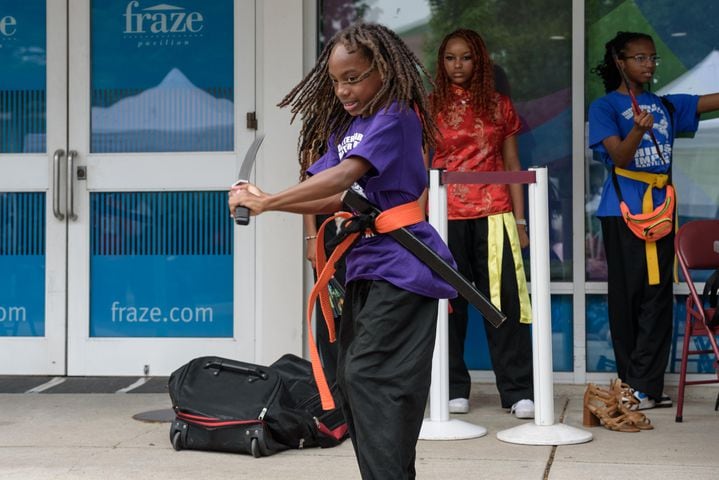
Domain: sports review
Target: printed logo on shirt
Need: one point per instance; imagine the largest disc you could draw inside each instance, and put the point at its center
(646, 155)
(357, 188)
(348, 143)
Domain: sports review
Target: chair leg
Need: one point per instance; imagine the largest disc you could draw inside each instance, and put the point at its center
(683, 370)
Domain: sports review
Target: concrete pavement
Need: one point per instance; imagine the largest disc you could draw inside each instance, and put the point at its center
(94, 436)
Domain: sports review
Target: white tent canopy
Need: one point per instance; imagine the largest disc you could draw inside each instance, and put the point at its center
(699, 80)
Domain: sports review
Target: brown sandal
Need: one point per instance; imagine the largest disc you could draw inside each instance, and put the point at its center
(624, 393)
(602, 408)
(627, 403)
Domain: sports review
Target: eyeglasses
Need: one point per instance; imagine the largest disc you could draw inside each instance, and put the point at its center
(643, 59)
(354, 79)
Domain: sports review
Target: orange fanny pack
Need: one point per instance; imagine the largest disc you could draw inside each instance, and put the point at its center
(653, 225)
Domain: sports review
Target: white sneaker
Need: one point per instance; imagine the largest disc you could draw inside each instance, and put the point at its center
(523, 409)
(459, 405)
(645, 402)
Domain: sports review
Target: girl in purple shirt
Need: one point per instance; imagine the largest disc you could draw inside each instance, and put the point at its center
(365, 115)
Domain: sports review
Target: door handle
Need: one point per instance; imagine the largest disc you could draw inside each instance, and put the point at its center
(71, 184)
(56, 171)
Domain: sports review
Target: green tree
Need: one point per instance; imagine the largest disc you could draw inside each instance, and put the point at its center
(532, 44)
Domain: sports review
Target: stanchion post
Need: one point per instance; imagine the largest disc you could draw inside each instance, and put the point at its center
(543, 431)
(439, 426)
(541, 299)
(439, 393)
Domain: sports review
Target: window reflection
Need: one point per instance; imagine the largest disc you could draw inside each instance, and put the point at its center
(526, 44)
(690, 66)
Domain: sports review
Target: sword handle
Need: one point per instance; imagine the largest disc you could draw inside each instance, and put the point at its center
(242, 215)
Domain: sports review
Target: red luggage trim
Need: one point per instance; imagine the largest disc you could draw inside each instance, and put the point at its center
(213, 422)
(338, 433)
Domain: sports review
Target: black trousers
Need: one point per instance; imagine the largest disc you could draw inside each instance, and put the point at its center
(640, 315)
(386, 342)
(510, 345)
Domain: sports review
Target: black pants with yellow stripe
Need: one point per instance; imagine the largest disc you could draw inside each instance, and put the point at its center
(510, 345)
(386, 341)
(640, 315)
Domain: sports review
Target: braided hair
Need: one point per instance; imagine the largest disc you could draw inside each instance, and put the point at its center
(607, 69)
(481, 87)
(323, 114)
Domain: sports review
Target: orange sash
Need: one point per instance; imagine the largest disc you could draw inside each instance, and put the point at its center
(392, 219)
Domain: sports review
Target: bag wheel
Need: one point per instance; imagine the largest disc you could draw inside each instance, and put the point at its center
(176, 441)
(255, 447)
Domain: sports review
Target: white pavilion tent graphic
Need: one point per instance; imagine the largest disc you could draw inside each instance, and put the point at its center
(175, 115)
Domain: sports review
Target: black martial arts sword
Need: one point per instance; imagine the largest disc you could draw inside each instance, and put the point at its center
(429, 257)
(242, 214)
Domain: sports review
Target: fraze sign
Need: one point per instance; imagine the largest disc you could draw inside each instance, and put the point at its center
(161, 19)
(8, 26)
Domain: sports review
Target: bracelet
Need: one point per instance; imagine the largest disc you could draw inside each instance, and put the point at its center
(310, 237)
(520, 221)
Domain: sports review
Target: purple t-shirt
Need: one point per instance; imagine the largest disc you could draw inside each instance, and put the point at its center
(390, 140)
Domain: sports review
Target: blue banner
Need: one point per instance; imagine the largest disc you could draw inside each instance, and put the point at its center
(137, 43)
(22, 44)
(22, 296)
(160, 264)
(161, 296)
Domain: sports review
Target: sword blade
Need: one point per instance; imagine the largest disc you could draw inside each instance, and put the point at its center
(250, 157)
(242, 214)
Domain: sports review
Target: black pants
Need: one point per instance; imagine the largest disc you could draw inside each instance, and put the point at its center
(640, 315)
(510, 345)
(386, 342)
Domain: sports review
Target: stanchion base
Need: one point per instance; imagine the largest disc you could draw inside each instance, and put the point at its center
(533, 434)
(450, 430)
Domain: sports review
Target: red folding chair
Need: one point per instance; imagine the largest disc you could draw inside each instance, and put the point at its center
(697, 248)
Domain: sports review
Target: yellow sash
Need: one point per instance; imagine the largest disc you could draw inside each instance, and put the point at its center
(496, 226)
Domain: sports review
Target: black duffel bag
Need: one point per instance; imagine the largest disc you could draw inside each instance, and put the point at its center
(232, 406)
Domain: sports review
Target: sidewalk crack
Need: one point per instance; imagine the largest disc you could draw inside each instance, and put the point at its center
(550, 460)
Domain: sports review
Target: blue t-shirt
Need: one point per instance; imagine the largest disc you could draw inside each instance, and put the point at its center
(391, 141)
(612, 115)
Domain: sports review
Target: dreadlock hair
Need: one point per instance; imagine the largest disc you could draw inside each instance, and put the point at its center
(481, 87)
(323, 114)
(607, 68)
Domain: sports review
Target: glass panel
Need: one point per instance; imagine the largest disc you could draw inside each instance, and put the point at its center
(162, 76)
(476, 354)
(22, 263)
(22, 83)
(703, 363)
(685, 38)
(521, 38)
(600, 355)
(160, 265)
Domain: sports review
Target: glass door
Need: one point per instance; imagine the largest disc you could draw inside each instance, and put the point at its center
(33, 102)
(158, 96)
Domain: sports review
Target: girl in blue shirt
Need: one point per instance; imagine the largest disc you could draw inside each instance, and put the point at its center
(639, 281)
